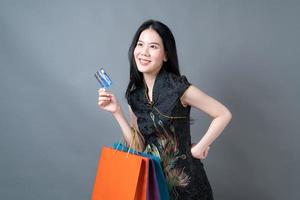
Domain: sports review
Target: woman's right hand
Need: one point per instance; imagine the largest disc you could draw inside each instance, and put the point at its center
(107, 101)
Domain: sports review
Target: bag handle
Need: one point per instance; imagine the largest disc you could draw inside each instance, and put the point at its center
(135, 141)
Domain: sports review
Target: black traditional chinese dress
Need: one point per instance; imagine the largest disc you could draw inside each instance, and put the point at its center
(165, 125)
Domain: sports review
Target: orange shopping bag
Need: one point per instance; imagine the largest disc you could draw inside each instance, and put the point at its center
(121, 176)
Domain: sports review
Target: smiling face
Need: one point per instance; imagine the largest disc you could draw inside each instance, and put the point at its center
(149, 53)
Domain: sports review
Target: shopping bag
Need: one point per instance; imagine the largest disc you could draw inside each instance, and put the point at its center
(121, 176)
(161, 180)
(152, 185)
(153, 189)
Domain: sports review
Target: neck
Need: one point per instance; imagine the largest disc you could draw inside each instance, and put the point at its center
(150, 79)
(149, 84)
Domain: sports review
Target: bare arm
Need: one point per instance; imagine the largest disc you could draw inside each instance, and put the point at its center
(125, 127)
(136, 142)
(194, 97)
(107, 101)
(139, 142)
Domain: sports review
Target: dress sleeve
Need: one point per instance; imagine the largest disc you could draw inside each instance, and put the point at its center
(182, 85)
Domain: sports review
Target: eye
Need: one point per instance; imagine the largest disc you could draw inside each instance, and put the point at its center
(153, 46)
(139, 44)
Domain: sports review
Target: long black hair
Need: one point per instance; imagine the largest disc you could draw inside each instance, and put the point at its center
(171, 65)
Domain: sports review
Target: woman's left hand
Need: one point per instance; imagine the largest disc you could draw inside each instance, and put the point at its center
(199, 152)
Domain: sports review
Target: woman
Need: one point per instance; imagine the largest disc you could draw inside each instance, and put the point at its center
(159, 101)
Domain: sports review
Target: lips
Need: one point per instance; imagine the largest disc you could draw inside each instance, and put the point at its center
(144, 61)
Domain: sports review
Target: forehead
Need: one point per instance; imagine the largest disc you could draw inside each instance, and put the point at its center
(150, 36)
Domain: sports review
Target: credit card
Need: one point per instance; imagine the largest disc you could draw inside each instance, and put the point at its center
(103, 78)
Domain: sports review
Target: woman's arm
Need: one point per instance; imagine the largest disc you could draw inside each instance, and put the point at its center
(125, 127)
(135, 141)
(138, 141)
(107, 101)
(194, 97)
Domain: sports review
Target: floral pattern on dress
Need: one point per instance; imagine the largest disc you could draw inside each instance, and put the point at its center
(167, 150)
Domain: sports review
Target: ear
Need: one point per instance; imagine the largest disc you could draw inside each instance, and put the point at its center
(166, 57)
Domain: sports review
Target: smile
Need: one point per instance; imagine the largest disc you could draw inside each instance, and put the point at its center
(144, 61)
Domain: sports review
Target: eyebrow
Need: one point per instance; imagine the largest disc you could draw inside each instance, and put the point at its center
(150, 42)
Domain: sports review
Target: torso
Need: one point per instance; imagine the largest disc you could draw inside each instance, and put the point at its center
(165, 124)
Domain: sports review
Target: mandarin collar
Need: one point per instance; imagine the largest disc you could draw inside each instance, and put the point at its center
(157, 83)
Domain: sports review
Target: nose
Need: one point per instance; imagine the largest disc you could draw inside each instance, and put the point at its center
(145, 51)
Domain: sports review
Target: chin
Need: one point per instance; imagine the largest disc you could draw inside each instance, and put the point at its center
(143, 69)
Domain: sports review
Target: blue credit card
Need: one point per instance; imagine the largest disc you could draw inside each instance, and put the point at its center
(103, 78)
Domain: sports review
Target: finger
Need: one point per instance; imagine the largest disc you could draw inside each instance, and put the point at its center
(105, 94)
(102, 103)
(102, 98)
(206, 152)
(101, 90)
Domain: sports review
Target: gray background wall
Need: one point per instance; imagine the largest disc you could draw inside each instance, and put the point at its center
(243, 53)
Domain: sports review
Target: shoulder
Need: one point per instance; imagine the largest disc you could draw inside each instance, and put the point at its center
(135, 96)
(180, 83)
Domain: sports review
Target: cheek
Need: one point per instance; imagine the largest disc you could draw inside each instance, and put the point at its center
(135, 52)
(159, 55)
(135, 55)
